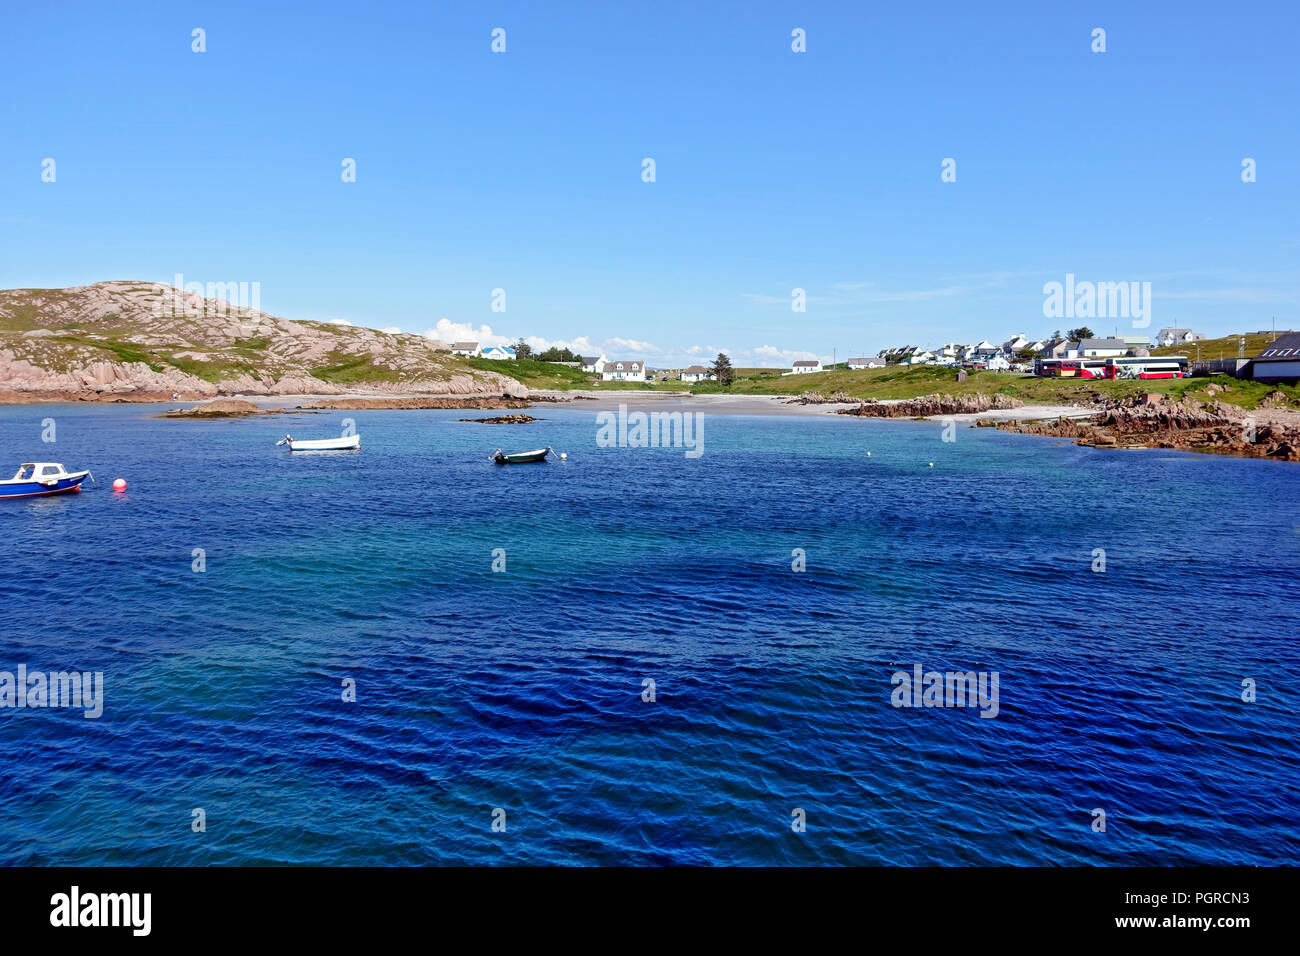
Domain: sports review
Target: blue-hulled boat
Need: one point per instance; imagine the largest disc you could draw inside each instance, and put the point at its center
(42, 478)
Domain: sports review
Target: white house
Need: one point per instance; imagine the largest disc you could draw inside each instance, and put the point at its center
(697, 373)
(874, 361)
(623, 372)
(1014, 344)
(1177, 336)
(804, 366)
(464, 348)
(498, 352)
(997, 363)
(920, 357)
(593, 363)
(1102, 348)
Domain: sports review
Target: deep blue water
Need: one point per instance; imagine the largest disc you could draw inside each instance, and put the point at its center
(522, 690)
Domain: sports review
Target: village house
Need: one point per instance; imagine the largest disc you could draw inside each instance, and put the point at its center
(697, 373)
(804, 366)
(593, 363)
(623, 372)
(464, 348)
(875, 361)
(1014, 344)
(1102, 348)
(1177, 337)
(997, 362)
(1056, 348)
(498, 352)
(1278, 362)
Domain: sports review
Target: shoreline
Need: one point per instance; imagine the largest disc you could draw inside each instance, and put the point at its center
(1133, 425)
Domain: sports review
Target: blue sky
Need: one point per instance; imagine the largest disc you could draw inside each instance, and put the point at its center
(775, 170)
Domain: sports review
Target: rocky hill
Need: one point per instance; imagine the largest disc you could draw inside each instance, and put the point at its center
(141, 339)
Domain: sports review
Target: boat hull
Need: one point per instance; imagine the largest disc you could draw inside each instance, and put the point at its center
(36, 489)
(327, 444)
(523, 457)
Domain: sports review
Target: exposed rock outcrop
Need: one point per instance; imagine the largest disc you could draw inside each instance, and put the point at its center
(928, 405)
(1140, 422)
(429, 402)
(116, 340)
(503, 420)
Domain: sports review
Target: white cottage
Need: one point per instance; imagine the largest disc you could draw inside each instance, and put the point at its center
(623, 372)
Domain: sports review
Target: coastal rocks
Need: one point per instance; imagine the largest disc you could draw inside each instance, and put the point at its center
(930, 405)
(130, 338)
(472, 402)
(217, 408)
(503, 420)
(1185, 426)
(817, 398)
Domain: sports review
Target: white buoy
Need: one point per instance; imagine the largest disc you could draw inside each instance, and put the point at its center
(564, 456)
(931, 464)
(868, 454)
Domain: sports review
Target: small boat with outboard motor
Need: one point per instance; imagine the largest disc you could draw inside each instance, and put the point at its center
(537, 455)
(35, 478)
(346, 443)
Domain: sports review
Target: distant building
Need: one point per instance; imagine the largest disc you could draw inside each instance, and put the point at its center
(697, 373)
(803, 367)
(1278, 362)
(876, 361)
(1101, 348)
(593, 363)
(623, 372)
(464, 348)
(997, 363)
(498, 352)
(1014, 344)
(1177, 337)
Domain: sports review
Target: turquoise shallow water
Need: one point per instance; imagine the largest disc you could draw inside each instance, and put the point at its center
(522, 690)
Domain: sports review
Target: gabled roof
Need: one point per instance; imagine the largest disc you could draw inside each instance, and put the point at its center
(464, 345)
(1103, 344)
(806, 363)
(695, 370)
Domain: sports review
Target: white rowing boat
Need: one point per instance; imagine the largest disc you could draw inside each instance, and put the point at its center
(347, 443)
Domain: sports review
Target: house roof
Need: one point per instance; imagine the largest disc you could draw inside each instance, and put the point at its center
(623, 366)
(1103, 344)
(805, 363)
(589, 359)
(464, 345)
(695, 370)
(1285, 349)
(859, 361)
